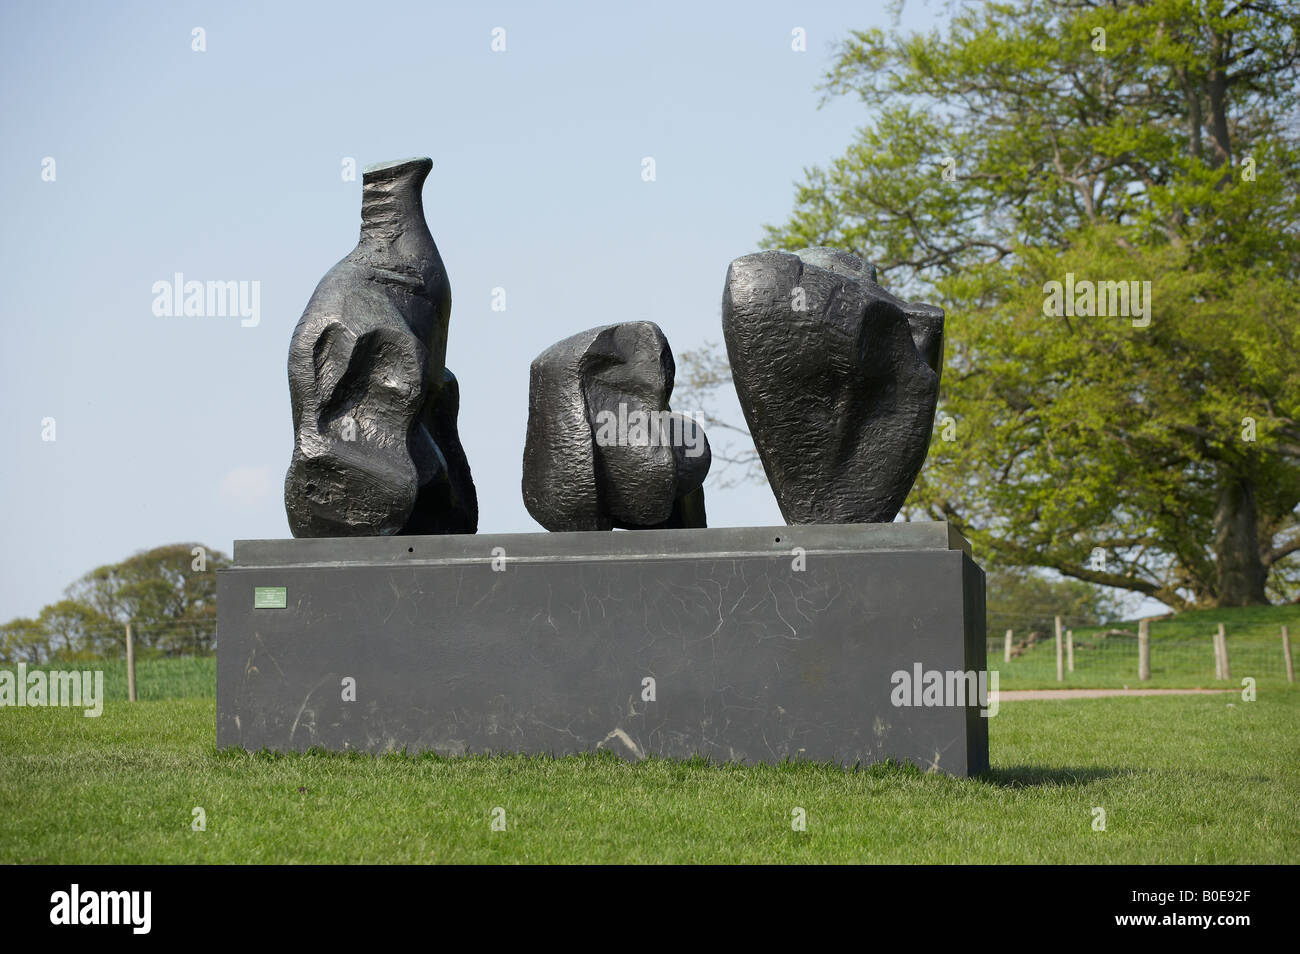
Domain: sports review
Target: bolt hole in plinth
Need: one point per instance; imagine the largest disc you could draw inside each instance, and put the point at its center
(410, 549)
(778, 539)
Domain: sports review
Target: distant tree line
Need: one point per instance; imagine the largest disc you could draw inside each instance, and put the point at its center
(167, 594)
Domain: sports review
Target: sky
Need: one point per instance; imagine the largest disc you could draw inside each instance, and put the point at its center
(128, 156)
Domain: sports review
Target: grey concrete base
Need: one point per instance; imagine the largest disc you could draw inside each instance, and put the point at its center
(756, 644)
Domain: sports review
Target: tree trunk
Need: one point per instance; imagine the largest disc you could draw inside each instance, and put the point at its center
(1241, 574)
(1216, 89)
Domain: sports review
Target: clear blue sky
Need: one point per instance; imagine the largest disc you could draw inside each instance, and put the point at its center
(225, 165)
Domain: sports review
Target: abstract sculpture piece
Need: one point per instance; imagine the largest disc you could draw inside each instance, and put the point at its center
(838, 380)
(374, 407)
(603, 448)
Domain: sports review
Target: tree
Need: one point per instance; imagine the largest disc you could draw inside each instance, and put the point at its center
(168, 594)
(24, 640)
(76, 631)
(1037, 142)
(1025, 601)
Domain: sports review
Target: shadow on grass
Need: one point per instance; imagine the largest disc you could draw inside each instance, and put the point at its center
(1028, 776)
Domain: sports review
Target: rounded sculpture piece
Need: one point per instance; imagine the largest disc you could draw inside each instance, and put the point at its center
(603, 448)
(374, 407)
(837, 378)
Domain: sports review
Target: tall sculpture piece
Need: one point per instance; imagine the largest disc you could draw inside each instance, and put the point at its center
(374, 407)
(603, 448)
(838, 381)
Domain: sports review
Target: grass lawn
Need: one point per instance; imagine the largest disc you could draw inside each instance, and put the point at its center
(1182, 780)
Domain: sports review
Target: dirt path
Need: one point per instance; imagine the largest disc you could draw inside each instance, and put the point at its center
(1012, 695)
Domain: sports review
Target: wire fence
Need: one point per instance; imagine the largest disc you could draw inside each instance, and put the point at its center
(1089, 658)
(1114, 659)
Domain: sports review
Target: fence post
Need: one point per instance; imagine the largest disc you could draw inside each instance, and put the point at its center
(1222, 670)
(1069, 649)
(1286, 652)
(1006, 652)
(1144, 649)
(1223, 648)
(130, 664)
(1060, 661)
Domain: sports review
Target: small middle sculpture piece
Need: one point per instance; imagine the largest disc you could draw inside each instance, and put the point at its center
(603, 448)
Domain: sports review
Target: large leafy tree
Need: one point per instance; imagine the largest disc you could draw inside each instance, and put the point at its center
(1039, 141)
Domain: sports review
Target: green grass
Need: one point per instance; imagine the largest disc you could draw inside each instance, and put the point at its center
(189, 677)
(1182, 652)
(1182, 779)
